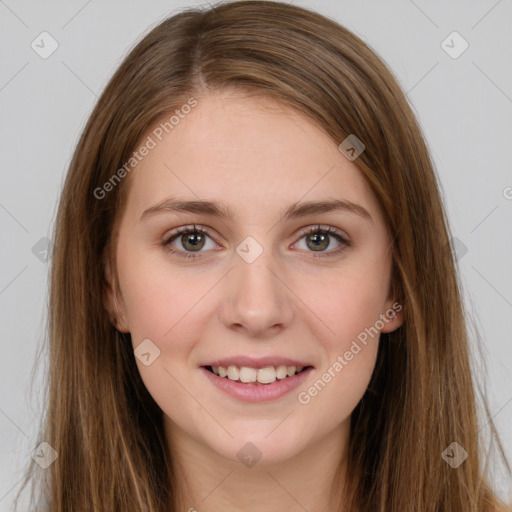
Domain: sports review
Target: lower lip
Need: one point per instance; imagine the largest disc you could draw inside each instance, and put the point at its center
(253, 392)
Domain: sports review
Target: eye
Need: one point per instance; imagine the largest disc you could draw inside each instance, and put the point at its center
(318, 240)
(191, 238)
(194, 238)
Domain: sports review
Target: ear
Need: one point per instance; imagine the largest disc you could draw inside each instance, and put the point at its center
(394, 313)
(113, 301)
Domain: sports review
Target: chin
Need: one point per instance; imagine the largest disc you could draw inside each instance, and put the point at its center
(258, 449)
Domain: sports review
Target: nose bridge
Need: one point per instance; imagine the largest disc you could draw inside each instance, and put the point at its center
(257, 299)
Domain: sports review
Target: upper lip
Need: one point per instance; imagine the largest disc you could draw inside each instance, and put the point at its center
(252, 362)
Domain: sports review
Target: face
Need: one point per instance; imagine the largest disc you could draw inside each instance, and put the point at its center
(272, 283)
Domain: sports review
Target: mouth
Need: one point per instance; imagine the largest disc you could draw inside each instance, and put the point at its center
(253, 385)
(257, 376)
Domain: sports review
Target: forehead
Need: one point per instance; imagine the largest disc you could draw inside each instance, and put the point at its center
(252, 153)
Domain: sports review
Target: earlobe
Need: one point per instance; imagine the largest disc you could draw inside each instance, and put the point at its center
(112, 300)
(394, 316)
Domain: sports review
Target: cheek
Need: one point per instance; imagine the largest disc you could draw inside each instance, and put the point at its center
(348, 308)
(160, 300)
(346, 303)
(164, 305)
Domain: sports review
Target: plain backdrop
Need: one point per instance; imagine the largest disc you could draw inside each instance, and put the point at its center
(463, 100)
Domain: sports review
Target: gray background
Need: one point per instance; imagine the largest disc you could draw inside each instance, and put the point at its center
(464, 105)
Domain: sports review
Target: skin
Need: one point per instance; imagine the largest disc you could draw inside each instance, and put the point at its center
(257, 157)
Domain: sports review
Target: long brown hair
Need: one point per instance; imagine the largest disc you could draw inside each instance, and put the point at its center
(101, 420)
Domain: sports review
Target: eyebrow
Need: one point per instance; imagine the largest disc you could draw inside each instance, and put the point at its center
(294, 211)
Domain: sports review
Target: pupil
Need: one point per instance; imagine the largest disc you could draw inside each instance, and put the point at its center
(318, 239)
(194, 239)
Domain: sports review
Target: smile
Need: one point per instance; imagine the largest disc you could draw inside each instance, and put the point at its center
(250, 389)
(266, 375)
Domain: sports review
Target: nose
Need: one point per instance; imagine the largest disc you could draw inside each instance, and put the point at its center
(258, 300)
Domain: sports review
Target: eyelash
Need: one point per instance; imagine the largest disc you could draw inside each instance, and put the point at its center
(318, 229)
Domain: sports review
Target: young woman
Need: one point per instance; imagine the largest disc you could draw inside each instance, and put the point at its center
(254, 304)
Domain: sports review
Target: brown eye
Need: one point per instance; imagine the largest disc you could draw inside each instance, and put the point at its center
(192, 240)
(319, 238)
(317, 241)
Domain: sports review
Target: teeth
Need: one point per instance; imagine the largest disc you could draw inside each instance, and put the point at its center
(282, 371)
(265, 375)
(233, 372)
(248, 374)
